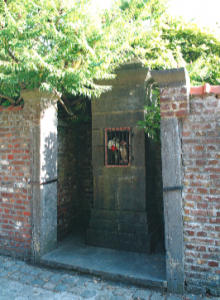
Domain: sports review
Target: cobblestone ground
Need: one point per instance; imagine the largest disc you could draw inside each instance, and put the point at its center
(20, 280)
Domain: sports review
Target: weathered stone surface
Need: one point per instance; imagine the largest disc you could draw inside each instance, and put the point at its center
(121, 189)
(117, 119)
(143, 295)
(45, 275)
(37, 282)
(157, 296)
(61, 287)
(121, 241)
(172, 177)
(131, 194)
(37, 289)
(87, 294)
(27, 278)
(171, 78)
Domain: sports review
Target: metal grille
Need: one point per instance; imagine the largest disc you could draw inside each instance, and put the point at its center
(117, 146)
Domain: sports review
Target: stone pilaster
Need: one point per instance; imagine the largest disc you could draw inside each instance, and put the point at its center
(174, 98)
(41, 115)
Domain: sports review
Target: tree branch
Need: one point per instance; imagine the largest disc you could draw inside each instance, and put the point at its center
(63, 104)
(19, 100)
(74, 103)
(12, 56)
(8, 98)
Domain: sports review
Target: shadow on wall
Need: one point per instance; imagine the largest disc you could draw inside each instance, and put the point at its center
(49, 164)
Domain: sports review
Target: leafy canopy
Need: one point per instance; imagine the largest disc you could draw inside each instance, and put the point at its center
(63, 45)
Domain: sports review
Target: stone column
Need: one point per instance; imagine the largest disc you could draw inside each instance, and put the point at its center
(40, 114)
(174, 99)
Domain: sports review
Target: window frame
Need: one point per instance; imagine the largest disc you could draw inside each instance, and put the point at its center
(112, 129)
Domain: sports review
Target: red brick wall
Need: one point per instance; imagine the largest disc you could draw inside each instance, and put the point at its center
(201, 182)
(201, 193)
(15, 194)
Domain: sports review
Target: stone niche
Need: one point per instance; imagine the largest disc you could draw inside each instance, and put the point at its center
(124, 211)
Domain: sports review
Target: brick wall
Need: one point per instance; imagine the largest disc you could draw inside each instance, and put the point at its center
(200, 141)
(15, 193)
(75, 181)
(201, 194)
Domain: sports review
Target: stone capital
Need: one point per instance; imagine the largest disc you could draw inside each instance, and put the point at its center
(36, 103)
(171, 78)
(174, 88)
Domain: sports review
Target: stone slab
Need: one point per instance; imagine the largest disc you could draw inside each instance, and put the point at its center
(132, 268)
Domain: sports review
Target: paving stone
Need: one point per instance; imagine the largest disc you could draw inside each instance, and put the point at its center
(20, 263)
(65, 296)
(192, 297)
(37, 282)
(45, 275)
(26, 278)
(35, 272)
(103, 297)
(82, 281)
(173, 297)
(142, 294)
(122, 292)
(16, 275)
(49, 286)
(88, 294)
(61, 287)
(117, 298)
(76, 290)
(26, 269)
(13, 268)
(94, 286)
(56, 277)
(157, 296)
(7, 264)
(4, 273)
(70, 280)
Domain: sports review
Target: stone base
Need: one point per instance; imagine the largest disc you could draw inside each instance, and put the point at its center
(123, 230)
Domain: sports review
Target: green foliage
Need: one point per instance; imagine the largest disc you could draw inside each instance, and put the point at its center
(194, 48)
(63, 46)
(152, 121)
(6, 103)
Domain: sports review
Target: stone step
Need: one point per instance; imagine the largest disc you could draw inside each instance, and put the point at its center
(122, 241)
(122, 227)
(122, 216)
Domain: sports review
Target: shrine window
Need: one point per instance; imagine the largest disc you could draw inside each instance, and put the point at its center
(117, 146)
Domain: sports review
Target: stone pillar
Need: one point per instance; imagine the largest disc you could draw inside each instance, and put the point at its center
(40, 114)
(174, 99)
(123, 216)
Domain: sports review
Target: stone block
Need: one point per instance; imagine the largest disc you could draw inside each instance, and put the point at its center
(138, 147)
(121, 241)
(142, 295)
(121, 216)
(45, 275)
(109, 120)
(61, 287)
(132, 194)
(87, 294)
